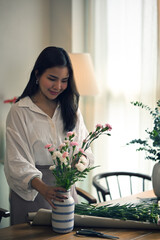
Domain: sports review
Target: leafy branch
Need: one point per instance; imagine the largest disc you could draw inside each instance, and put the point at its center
(146, 212)
(151, 145)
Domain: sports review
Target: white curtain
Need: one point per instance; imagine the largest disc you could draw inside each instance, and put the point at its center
(122, 39)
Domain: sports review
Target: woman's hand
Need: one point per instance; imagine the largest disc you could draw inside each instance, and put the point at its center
(48, 192)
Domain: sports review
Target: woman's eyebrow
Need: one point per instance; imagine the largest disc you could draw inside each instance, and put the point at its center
(50, 75)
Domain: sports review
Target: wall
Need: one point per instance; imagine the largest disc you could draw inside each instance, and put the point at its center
(61, 25)
(67, 24)
(24, 31)
(26, 27)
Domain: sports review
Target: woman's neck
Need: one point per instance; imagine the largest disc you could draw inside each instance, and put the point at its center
(46, 105)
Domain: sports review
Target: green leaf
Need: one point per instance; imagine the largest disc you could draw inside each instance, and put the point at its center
(145, 212)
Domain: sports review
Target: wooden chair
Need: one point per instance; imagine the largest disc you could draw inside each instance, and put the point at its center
(85, 195)
(130, 179)
(4, 213)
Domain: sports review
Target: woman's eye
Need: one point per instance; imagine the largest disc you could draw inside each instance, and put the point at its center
(51, 79)
(65, 80)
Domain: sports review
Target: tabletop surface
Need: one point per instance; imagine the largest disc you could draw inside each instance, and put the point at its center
(26, 231)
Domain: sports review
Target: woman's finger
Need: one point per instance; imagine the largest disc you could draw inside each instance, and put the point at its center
(59, 196)
(60, 189)
(51, 203)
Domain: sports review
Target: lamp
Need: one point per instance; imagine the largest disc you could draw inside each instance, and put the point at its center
(84, 74)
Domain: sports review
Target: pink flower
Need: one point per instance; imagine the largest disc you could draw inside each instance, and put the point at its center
(108, 126)
(81, 150)
(10, 100)
(62, 145)
(73, 144)
(65, 154)
(70, 134)
(51, 149)
(48, 145)
(99, 125)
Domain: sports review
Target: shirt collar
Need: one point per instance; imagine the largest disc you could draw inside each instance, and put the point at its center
(27, 102)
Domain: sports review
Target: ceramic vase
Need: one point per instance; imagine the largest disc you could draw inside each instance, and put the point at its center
(63, 214)
(156, 179)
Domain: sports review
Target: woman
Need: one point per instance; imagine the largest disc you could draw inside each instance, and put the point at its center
(44, 113)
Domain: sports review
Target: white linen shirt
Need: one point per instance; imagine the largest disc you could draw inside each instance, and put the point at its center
(28, 130)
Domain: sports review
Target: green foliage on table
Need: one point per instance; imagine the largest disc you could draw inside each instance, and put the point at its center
(151, 145)
(144, 212)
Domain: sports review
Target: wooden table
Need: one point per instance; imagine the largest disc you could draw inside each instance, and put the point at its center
(25, 231)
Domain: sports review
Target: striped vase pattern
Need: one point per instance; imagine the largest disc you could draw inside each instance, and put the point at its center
(63, 215)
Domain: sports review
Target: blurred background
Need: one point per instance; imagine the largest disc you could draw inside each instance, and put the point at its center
(122, 38)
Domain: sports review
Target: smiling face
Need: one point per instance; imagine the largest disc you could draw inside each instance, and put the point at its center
(53, 82)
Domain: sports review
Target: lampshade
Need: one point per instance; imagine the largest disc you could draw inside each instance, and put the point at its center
(84, 74)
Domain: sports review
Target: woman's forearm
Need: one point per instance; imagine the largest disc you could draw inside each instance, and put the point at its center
(39, 185)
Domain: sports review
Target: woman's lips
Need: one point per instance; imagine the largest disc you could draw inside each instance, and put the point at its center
(53, 93)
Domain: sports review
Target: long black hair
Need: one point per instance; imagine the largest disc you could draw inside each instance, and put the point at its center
(69, 99)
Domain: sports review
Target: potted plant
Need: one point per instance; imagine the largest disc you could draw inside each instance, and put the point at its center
(151, 144)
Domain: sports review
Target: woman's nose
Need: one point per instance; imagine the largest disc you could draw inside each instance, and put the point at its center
(57, 85)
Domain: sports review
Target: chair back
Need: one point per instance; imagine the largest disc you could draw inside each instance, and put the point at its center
(85, 196)
(117, 183)
(4, 213)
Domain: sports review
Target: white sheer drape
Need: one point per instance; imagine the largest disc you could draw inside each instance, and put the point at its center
(122, 39)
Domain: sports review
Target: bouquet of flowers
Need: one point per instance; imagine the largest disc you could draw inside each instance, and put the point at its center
(69, 161)
(151, 145)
